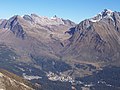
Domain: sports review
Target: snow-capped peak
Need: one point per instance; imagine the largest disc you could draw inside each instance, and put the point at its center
(104, 14)
(54, 17)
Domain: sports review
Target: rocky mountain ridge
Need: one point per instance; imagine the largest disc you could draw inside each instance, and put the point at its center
(96, 39)
(42, 49)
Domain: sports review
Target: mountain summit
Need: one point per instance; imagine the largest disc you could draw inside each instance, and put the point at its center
(104, 14)
(57, 53)
(96, 39)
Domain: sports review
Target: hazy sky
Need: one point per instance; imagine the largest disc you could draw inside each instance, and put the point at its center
(75, 10)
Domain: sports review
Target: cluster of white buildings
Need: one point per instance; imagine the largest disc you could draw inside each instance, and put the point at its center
(61, 77)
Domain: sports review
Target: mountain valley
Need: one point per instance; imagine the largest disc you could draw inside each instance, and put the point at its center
(58, 54)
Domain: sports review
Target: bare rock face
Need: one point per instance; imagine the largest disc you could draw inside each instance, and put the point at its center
(14, 25)
(30, 45)
(53, 48)
(33, 34)
(96, 39)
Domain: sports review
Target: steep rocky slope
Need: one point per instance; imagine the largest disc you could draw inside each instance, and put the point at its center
(34, 35)
(9, 81)
(96, 39)
(29, 46)
(58, 54)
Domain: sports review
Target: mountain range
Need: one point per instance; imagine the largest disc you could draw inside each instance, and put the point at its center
(59, 54)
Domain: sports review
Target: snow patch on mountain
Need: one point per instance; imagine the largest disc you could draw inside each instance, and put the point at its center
(104, 14)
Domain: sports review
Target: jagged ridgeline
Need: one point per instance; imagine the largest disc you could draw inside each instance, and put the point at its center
(58, 54)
